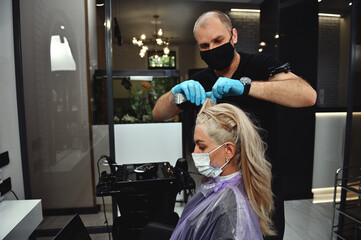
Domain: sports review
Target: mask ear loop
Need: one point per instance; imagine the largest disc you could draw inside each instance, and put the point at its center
(216, 149)
(227, 161)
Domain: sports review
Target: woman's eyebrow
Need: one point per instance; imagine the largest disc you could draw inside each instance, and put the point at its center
(199, 141)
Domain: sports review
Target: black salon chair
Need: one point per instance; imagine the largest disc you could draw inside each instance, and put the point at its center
(147, 204)
(163, 231)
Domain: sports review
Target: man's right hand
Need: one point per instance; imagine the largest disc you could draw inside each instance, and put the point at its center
(193, 91)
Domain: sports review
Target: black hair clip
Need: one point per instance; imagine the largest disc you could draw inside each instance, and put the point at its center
(283, 68)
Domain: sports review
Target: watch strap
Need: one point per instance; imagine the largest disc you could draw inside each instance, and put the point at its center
(247, 85)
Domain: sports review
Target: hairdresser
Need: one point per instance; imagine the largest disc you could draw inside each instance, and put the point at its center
(253, 82)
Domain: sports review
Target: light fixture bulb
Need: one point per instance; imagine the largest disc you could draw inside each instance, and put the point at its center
(159, 41)
(160, 32)
(134, 41)
(166, 50)
(277, 36)
(260, 50)
(143, 37)
(262, 44)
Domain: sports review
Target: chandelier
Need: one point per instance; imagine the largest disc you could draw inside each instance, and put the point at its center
(157, 39)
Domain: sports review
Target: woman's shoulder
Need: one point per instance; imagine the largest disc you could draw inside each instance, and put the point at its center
(232, 191)
(236, 191)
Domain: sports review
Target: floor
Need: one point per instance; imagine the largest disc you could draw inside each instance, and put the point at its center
(304, 221)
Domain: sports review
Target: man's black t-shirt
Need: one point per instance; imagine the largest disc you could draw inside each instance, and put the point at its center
(263, 113)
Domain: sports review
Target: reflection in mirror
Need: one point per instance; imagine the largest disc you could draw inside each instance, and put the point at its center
(54, 49)
(60, 54)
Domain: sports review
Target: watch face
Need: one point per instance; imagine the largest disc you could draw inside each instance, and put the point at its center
(245, 80)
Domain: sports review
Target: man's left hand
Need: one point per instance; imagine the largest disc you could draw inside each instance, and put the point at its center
(227, 87)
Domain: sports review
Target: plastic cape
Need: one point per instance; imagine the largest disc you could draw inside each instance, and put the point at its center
(219, 210)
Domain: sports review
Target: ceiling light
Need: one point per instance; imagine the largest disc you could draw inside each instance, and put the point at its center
(166, 50)
(245, 10)
(141, 78)
(99, 3)
(156, 39)
(329, 15)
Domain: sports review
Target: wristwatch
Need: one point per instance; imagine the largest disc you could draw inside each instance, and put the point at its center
(247, 85)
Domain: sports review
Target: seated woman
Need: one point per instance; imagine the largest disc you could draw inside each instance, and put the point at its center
(236, 200)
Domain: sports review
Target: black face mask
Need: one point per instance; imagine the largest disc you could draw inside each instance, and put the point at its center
(220, 57)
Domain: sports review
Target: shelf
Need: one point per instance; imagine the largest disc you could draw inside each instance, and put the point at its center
(352, 210)
(353, 187)
(127, 73)
(349, 232)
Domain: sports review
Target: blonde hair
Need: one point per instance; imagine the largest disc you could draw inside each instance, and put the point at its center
(227, 123)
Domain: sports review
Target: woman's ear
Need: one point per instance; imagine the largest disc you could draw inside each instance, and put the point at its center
(230, 150)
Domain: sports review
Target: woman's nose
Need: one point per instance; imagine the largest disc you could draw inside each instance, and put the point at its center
(196, 150)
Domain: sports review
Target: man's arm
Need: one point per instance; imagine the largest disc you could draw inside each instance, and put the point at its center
(164, 108)
(286, 89)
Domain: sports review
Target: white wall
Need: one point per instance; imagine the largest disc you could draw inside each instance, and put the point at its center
(329, 147)
(328, 155)
(9, 129)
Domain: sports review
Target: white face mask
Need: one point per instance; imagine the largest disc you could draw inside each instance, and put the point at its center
(203, 164)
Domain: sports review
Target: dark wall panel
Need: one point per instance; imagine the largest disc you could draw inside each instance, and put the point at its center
(296, 21)
(298, 45)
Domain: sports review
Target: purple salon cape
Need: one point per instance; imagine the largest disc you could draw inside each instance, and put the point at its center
(219, 210)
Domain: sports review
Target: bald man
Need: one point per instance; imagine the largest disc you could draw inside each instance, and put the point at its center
(253, 82)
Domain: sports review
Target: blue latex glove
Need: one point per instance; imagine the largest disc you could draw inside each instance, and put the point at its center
(193, 90)
(227, 87)
(210, 95)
